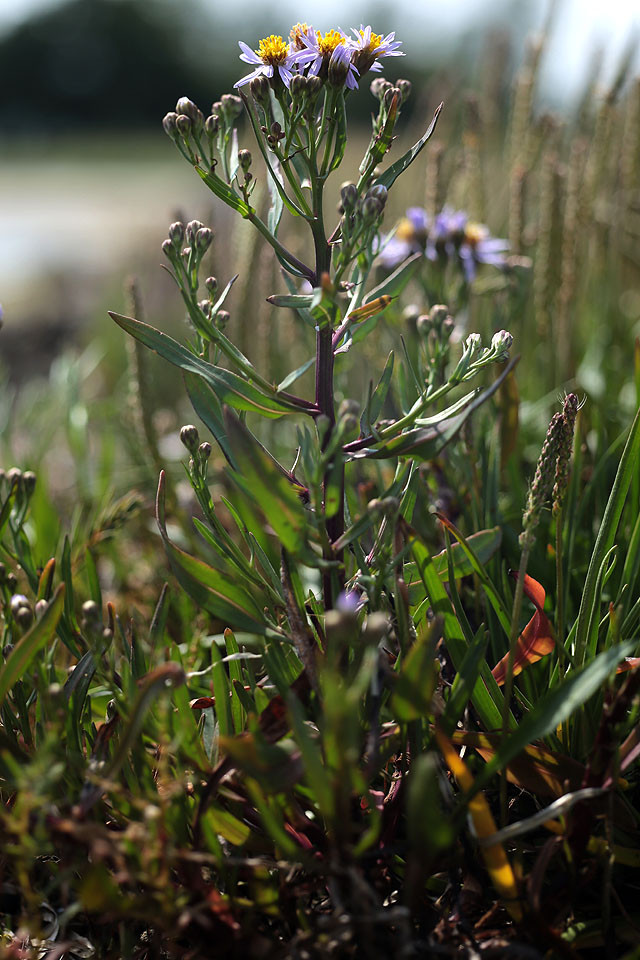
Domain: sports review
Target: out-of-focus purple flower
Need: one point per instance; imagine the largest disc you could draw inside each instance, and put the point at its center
(410, 237)
(451, 236)
(273, 52)
(368, 47)
(480, 247)
(351, 602)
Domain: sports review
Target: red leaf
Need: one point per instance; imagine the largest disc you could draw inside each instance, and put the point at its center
(535, 641)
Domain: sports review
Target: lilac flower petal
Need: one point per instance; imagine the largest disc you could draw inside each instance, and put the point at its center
(259, 71)
(248, 55)
(418, 217)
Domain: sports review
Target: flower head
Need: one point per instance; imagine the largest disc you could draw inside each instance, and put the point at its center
(478, 246)
(273, 52)
(341, 71)
(323, 46)
(410, 237)
(368, 47)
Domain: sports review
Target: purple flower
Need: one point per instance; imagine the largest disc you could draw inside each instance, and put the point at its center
(410, 237)
(272, 52)
(368, 47)
(479, 246)
(342, 72)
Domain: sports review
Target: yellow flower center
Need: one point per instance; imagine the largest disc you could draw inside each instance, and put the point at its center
(297, 32)
(474, 233)
(329, 41)
(374, 42)
(406, 230)
(273, 50)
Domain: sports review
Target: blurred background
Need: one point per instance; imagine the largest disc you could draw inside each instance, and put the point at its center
(89, 182)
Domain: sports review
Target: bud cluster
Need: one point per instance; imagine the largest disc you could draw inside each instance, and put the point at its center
(475, 357)
(360, 223)
(211, 141)
(435, 329)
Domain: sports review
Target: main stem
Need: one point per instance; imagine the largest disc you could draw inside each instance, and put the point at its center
(331, 582)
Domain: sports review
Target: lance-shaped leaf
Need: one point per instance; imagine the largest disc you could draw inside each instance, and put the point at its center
(228, 387)
(220, 593)
(425, 442)
(266, 482)
(209, 409)
(389, 177)
(494, 856)
(535, 641)
(394, 284)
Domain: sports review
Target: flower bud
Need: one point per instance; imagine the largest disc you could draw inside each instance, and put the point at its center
(187, 108)
(41, 606)
(170, 125)
(204, 450)
(222, 319)
(14, 477)
(24, 617)
(204, 236)
(314, 86)
(501, 343)
(423, 324)
(378, 87)
(176, 234)
(212, 125)
(167, 248)
(371, 210)
(11, 581)
(183, 124)
(379, 192)
(389, 94)
(189, 437)
(192, 228)
(18, 600)
(260, 90)
(211, 284)
(348, 196)
(245, 158)
(29, 480)
(231, 107)
(298, 88)
(404, 86)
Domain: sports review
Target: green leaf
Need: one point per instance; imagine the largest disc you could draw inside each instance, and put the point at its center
(295, 301)
(226, 825)
(295, 374)
(555, 708)
(223, 191)
(379, 395)
(416, 682)
(206, 404)
(606, 534)
(277, 206)
(388, 178)
(222, 595)
(41, 633)
(467, 678)
(262, 478)
(228, 387)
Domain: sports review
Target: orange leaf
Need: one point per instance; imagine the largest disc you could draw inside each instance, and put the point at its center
(535, 641)
(495, 858)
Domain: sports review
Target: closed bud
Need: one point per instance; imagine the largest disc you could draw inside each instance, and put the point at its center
(192, 228)
(167, 248)
(176, 234)
(205, 306)
(231, 107)
(259, 87)
(438, 314)
(423, 324)
(314, 86)
(24, 617)
(222, 319)
(170, 125)
(187, 108)
(216, 107)
(348, 196)
(11, 581)
(371, 210)
(298, 87)
(41, 607)
(18, 600)
(378, 87)
(14, 477)
(212, 125)
(29, 480)
(183, 124)
(375, 507)
(501, 342)
(211, 284)
(189, 437)
(389, 94)
(379, 192)
(404, 86)
(204, 451)
(204, 237)
(245, 158)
